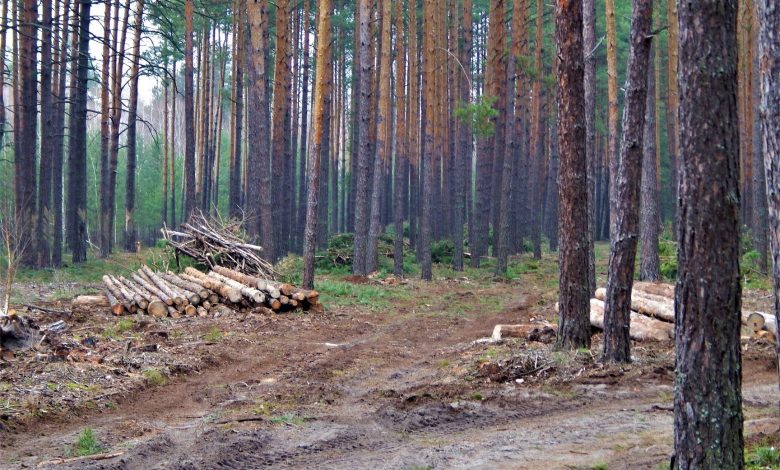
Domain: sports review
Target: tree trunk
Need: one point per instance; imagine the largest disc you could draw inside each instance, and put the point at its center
(759, 216)
(574, 296)
(401, 144)
(672, 107)
(77, 139)
(189, 115)
(117, 70)
(612, 121)
(3, 34)
(25, 190)
(363, 145)
(105, 135)
(234, 185)
(382, 147)
(320, 88)
(769, 58)
(281, 120)
(536, 151)
(132, 122)
(59, 131)
(172, 152)
(259, 156)
(43, 219)
(707, 401)
(589, 42)
(650, 221)
(617, 318)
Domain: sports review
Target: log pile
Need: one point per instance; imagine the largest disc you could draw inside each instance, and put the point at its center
(217, 243)
(652, 313)
(195, 293)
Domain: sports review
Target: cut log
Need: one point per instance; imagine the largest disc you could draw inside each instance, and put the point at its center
(116, 306)
(643, 328)
(191, 287)
(137, 297)
(248, 292)
(89, 302)
(149, 286)
(656, 288)
(524, 330)
(168, 289)
(121, 294)
(227, 292)
(758, 321)
(664, 311)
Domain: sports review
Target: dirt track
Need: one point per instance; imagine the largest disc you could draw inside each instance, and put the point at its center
(362, 389)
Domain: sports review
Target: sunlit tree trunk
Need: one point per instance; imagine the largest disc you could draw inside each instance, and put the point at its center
(189, 115)
(132, 126)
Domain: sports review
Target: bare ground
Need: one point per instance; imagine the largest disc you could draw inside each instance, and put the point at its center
(403, 387)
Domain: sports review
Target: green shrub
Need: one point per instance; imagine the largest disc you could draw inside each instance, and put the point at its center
(442, 251)
(86, 444)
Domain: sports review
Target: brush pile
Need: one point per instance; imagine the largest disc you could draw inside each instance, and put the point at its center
(193, 292)
(218, 243)
(652, 313)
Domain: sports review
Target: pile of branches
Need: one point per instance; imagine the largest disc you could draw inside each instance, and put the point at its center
(218, 243)
(195, 293)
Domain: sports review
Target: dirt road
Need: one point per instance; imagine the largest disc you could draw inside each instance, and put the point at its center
(400, 389)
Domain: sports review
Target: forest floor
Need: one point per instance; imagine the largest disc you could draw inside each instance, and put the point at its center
(390, 376)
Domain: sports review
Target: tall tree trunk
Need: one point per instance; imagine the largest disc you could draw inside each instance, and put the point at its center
(536, 152)
(612, 120)
(281, 119)
(464, 150)
(414, 124)
(427, 181)
(172, 152)
(649, 221)
(401, 162)
(672, 107)
(320, 88)
(165, 157)
(617, 307)
(362, 155)
(28, 126)
(769, 58)
(302, 195)
(132, 124)
(43, 219)
(708, 397)
(117, 71)
(382, 147)
(589, 41)
(105, 135)
(189, 115)
(234, 187)
(77, 141)
(3, 34)
(574, 298)
(259, 204)
(759, 216)
(59, 132)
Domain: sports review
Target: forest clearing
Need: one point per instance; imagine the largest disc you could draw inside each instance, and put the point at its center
(399, 234)
(390, 375)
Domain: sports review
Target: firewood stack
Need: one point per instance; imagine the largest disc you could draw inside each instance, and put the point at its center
(194, 292)
(652, 313)
(218, 243)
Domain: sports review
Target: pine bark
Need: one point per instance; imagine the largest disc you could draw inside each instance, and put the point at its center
(59, 130)
(105, 135)
(760, 216)
(401, 162)
(427, 180)
(25, 190)
(650, 221)
(672, 107)
(189, 115)
(3, 36)
(259, 202)
(234, 184)
(363, 145)
(320, 88)
(43, 219)
(612, 119)
(769, 73)
(589, 41)
(132, 130)
(574, 298)
(281, 121)
(707, 398)
(464, 150)
(617, 311)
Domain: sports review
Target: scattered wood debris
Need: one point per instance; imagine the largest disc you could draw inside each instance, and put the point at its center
(194, 292)
(218, 243)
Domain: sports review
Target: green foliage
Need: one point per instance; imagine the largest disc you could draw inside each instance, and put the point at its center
(762, 458)
(155, 377)
(478, 115)
(341, 293)
(86, 444)
(214, 335)
(442, 251)
(116, 330)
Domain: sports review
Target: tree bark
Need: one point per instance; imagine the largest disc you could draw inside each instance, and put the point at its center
(612, 121)
(77, 140)
(189, 115)
(59, 131)
(363, 151)
(43, 219)
(672, 107)
(707, 401)
(769, 71)
(574, 296)
(234, 185)
(650, 221)
(105, 134)
(24, 159)
(589, 43)
(281, 118)
(313, 167)
(401, 161)
(132, 126)
(617, 343)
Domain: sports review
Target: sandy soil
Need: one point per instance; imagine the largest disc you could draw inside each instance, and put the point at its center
(403, 388)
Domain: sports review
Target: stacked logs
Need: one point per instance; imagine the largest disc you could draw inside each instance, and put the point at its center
(652, 313)
(194, 292)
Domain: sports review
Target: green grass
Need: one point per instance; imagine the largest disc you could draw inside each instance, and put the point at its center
(86, 444)
(342, 294)
(116, 330)
(214, 335)
(155, 377)
(762, 457)
(75, 386)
